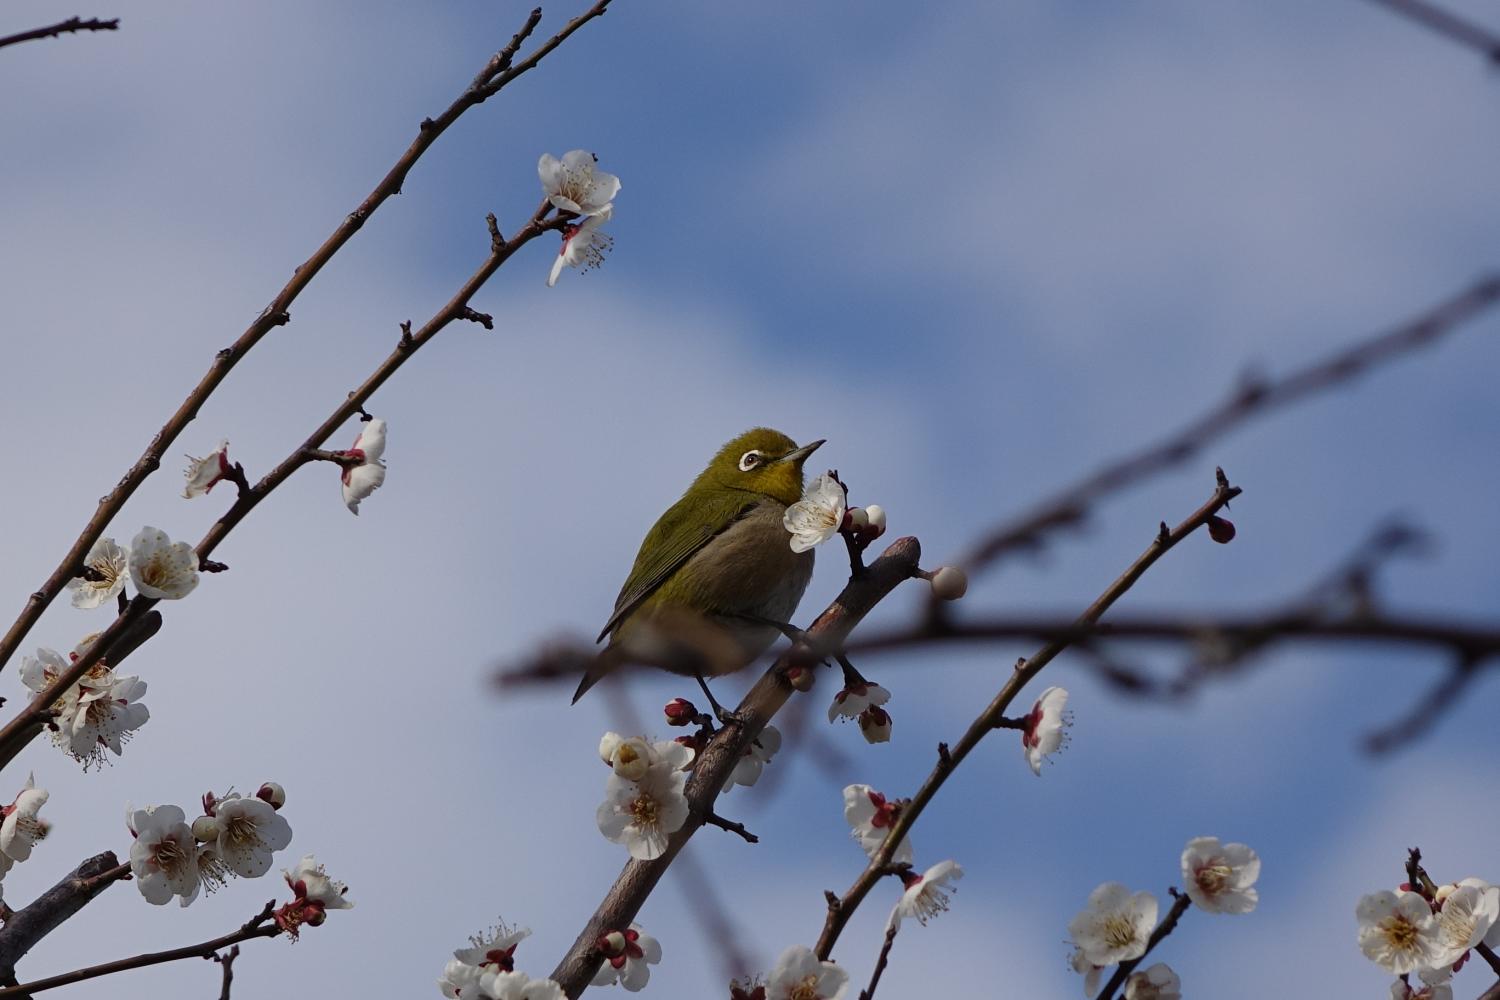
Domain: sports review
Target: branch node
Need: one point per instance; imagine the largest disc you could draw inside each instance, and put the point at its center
(714, 819)
(474, 316)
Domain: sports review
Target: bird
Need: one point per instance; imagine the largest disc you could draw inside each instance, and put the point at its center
(715, 581)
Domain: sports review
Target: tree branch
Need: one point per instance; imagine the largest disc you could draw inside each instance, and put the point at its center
(635, 883)
(52, 31)
(48, 911)
(498, 72)
(1447, 24)
(838, 915)
(1254, 397)
(255, 927)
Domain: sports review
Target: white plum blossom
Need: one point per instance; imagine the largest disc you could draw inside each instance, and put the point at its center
(799, 975)
(1088, 970)
(870, 817)
(111, 564)
(628, 956)
(1427, 991)
(855, 698)
(203, 474)
(519, 986)
(643, 814)
(575, 183)
(1469, 910)
(1115, 925)
(755, 758)
(160, 568)
(359, 481)
(101, 717)
(926, 894)
(494, 950)
(628, 757)
(1220, 878)
(23, 827)
(249, 831)
(875, 725)
(818, 516)
(584, 245)
(461, 979)
(39, 671)
(1044, 732)
(310, 882)
(1158, 982)
(1398, 933)
(164, 858)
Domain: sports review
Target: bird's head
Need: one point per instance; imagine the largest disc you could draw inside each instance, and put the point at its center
(760, 461)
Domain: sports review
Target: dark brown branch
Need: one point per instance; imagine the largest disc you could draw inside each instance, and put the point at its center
(257, 926)
(1488, 954)
(868, 993)
(48, 911)
(1179, 907)
(52, 31)
(838, 916)
(497, 73)
(738, 829)
(712, 768)
(1447, 24)
(1493, 993)
(1255, 396)
(226, 962)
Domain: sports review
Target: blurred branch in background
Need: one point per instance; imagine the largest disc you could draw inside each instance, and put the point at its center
(1447, 24)
(54, 30)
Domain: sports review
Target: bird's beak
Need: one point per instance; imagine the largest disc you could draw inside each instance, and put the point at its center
(802, 452)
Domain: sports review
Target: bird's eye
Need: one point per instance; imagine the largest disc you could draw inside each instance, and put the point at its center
(749, 460)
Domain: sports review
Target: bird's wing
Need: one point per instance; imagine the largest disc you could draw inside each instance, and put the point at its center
(671, 542)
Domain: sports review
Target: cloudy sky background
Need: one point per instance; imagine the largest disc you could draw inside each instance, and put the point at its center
(979, 250)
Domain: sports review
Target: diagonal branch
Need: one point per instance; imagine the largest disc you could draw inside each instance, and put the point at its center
(1168, 924)
(258, 926)
(53, 30)
(1447, 24)
(637, 880)
(496, 74)
(841, 908)
(48, 911)
(1069, 506)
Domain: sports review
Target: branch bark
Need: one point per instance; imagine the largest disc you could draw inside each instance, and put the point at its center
(635, 883)
(53, 30)
(48, 911)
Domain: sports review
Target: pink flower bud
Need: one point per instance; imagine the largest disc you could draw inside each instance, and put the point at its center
(875, 724)
(1220, 530)
(210, 802)
(857, 520)
(611, 944)
(800, 678)
(680, 712)
(273, 793)
(875, 514)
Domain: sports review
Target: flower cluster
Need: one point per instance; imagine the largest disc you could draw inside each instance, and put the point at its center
(575, 184)
(486, 969)
(235, 836)
(643, 802)
(22, 827)
(1429, 933)
(1116, 925)
(101, 711)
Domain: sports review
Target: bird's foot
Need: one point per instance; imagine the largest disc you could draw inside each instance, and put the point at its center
(724, 715)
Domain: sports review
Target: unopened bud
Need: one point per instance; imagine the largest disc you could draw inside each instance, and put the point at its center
(273, 793)
(875, 724)
(1220, 530)
(857, 519)
(875, 515)
(680, 712)
(632, 759)
(949, 583)
(205, 828)
(611, 944)
(800, 678)
(313, 914)
(1444, 891)
(210, 802)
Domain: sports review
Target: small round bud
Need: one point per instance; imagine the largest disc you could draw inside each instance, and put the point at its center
(857, 519)
(949, 583)
(205, 828)
(800, 678)
(611, 944)
(632, 759)
(875, 724)
(1220, 530)
(210, 803)
(1444, 891)
(875, 515)
(680, 712)
(273, 793)
(313, 914)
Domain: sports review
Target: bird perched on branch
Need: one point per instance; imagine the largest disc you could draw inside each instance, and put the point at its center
(716, 579)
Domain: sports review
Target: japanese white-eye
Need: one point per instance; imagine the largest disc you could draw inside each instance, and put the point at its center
(716, 574)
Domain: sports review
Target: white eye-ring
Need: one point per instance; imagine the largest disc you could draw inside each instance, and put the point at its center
(750, 460)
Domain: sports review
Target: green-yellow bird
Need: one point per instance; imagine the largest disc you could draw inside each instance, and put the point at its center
(717, 571)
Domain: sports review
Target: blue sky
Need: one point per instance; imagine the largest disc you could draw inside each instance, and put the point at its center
(980, 251)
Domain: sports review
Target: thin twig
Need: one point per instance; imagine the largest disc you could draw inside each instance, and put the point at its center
(868, 993)
(256, 927)
(1447, 24)
(497, 73)
(738, 829)
(52, 31)
(226, 963)
(1254, 397)
(1179, 907)
(838, 916)
(47, 912)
